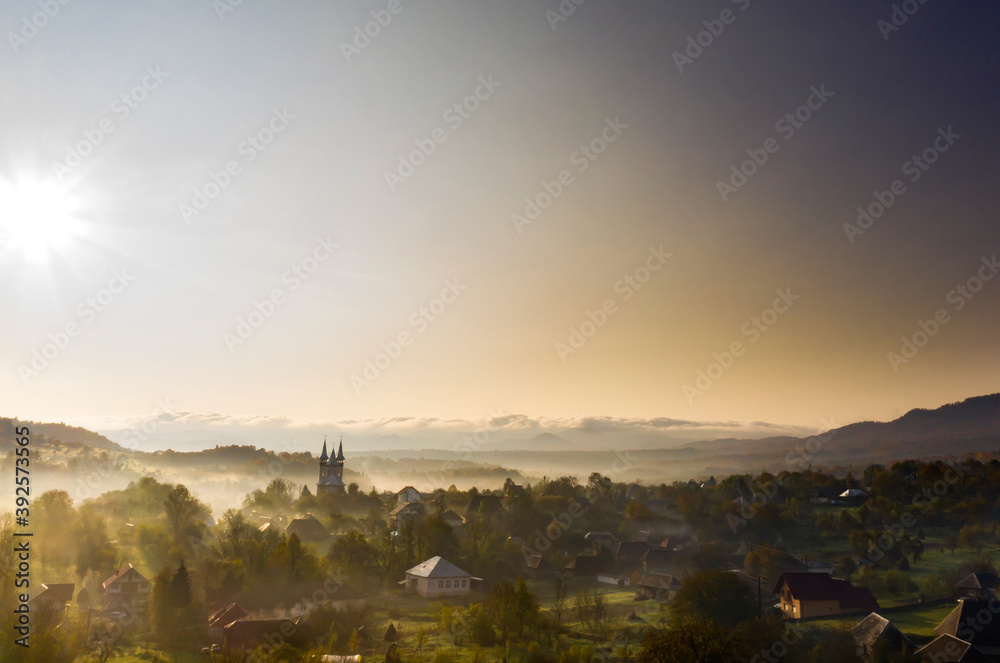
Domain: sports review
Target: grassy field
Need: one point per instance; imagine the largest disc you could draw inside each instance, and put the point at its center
(140, 655)
(918, 624)
(411, 613)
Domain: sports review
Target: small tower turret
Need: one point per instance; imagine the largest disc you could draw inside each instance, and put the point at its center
(338, 468)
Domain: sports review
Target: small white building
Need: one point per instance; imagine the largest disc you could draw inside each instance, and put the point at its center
(408, 494)
(619, 580)
(438, 577)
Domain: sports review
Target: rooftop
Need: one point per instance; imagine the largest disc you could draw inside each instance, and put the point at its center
(437, 567)
(119, 573)
(874, 626)
(979, 581)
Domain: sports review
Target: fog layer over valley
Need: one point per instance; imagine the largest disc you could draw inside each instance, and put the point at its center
(86, 463)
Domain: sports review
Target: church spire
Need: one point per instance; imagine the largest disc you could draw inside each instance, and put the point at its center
(340, 451)
(324, 457)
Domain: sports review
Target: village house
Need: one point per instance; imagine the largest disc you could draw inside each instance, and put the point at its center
(222, 618)
(483, 504)
(407, 511)
(536, 566)
(978, 585)
(605, 539)
(851, 497)
(307, 529)
(956, 632)
(805, 594)
(52, 597)
(875, 629)
(126, 590)
(452, 518)
(658, 586)
(438, 577)
(620, 576)
(512, 493)
(515, 490)
(630, 552)
(949, 649)
(408, 494)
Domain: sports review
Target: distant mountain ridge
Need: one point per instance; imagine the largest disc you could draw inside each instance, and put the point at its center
(540, 442)
(955, 429)
(966, 426)
(69, 435)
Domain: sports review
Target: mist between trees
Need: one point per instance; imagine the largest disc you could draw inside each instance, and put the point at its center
(321, 573)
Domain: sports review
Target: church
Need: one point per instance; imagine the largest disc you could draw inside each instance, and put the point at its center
(331, 471)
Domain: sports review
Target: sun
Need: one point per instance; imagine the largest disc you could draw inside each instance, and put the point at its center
(37, 218)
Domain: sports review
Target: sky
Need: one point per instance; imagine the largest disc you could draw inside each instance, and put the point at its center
(555, 210)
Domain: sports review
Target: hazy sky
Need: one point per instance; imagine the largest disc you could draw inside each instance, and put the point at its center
(300, 134)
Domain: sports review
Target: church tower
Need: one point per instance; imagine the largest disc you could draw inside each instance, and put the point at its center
(338, 467)
(331, 471)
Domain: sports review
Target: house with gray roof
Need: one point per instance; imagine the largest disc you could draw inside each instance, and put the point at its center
(874, 630)
(978, 585)
(438, 577)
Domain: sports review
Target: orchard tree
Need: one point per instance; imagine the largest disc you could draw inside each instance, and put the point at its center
(716, 596)
(351, 551)
(689, 642)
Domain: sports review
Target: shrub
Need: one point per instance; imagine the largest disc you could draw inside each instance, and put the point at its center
(535, 654)
(936, 586)
(572, 654)
(897, 582)
(870, 578)
(151, 656)
(480, 626)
